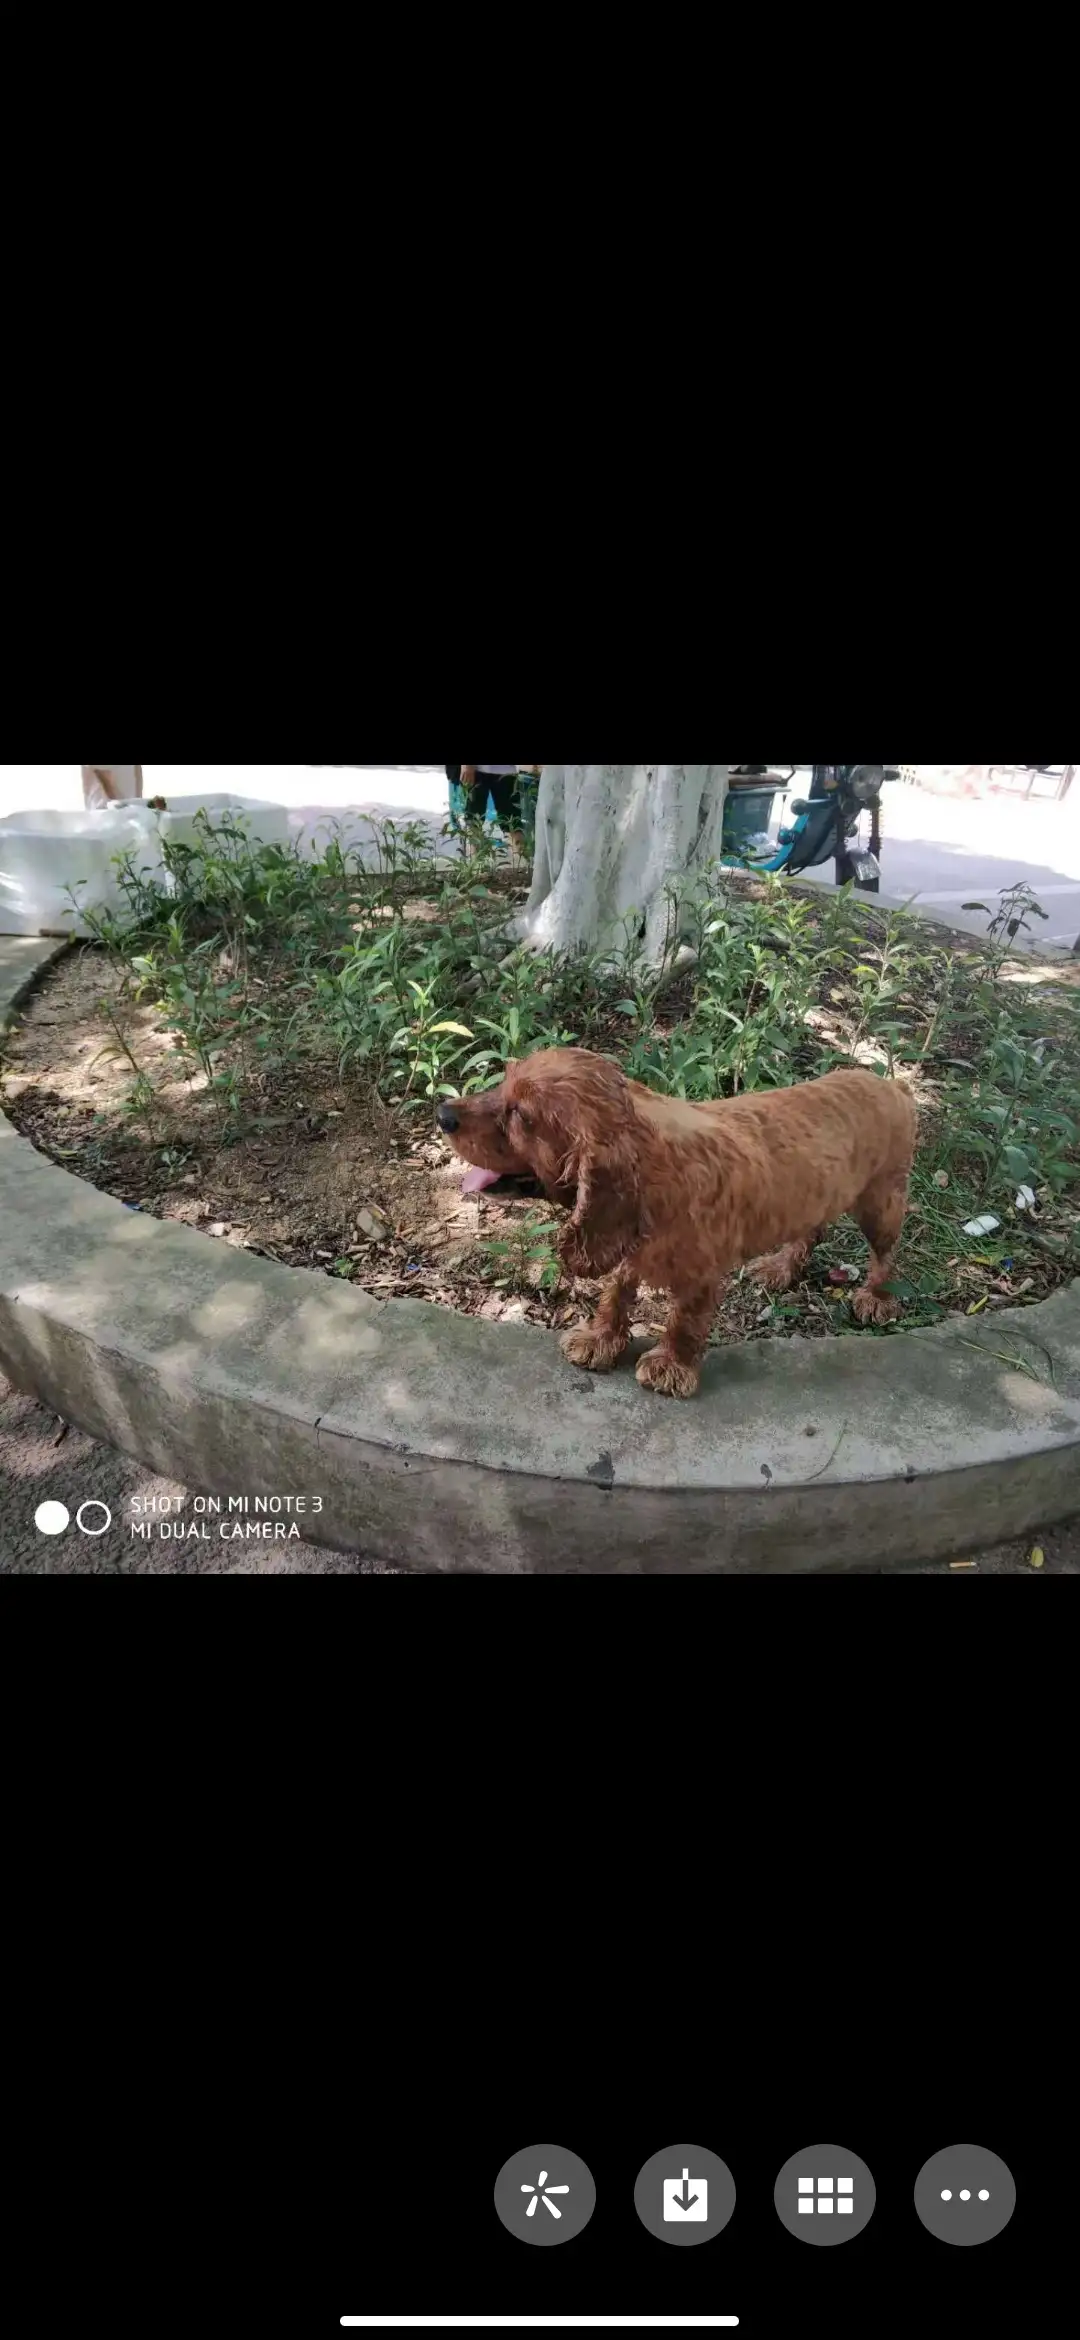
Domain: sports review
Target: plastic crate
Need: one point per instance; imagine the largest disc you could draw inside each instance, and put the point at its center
(747, 816)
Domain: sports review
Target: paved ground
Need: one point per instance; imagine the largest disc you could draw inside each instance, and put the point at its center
(947, 851)
(42, 1461)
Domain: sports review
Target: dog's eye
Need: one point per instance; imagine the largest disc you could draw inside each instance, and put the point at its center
(523, 1119)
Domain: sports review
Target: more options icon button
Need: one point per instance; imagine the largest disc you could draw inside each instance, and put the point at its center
(965, 2194)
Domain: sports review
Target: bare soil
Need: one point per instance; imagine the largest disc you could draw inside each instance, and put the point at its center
(332, 1179)
(335, 1180)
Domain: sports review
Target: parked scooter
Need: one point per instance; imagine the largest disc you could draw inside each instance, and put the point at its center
(839, 821)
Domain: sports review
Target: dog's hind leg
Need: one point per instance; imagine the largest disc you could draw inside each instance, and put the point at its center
(599, 1345)
(880, 1214)
(780, 1269)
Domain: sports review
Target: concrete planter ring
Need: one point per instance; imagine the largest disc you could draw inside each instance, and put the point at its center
(435, 1441)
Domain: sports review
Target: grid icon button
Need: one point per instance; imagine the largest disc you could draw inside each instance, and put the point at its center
(816, 2202)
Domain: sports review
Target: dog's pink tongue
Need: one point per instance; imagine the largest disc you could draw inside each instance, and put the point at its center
(475, 1181)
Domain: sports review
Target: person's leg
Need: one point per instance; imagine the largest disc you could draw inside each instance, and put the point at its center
(111, 783)
(474, 792)
(467, 809)
(528, 790)
(506, 796)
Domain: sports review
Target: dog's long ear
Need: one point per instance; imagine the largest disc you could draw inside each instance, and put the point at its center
(607, 1213)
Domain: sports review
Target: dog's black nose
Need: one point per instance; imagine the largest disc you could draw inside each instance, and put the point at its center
(447, 1119)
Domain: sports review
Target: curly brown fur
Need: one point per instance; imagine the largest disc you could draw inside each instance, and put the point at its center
(677, 1196)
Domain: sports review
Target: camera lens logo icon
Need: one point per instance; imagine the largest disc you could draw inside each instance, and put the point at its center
(97, 1526)
(92, 1518)
(52, 1519)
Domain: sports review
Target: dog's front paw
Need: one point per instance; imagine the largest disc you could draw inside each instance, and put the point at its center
(594, 1352)
(661, 1371)
(869, 1307)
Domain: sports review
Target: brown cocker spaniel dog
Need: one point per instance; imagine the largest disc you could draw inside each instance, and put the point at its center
(677, 1195)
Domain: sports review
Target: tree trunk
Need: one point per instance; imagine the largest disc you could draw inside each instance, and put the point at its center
(610, 839)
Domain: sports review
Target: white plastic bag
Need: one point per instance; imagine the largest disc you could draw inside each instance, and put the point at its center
(52, 861)
(260, 822)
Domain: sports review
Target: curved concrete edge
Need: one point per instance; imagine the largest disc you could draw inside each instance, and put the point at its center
(434, 1441)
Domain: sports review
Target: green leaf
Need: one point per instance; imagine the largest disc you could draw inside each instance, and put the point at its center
(462, 1030)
